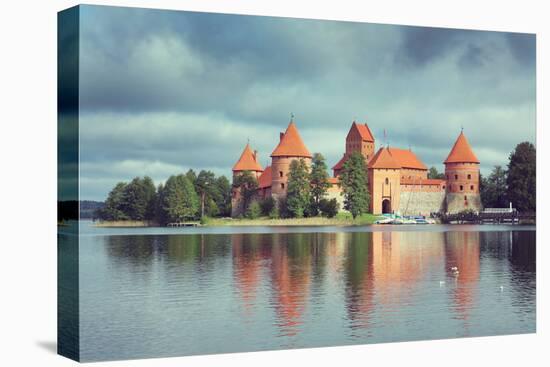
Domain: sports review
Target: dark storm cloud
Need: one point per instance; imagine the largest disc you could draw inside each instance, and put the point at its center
(523, 47)
(165, 91)
(422, 45)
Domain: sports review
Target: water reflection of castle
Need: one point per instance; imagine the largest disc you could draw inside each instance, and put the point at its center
(382, 271)
(368, 278)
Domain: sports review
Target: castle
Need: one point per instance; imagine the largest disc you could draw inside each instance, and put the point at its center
(398, 180)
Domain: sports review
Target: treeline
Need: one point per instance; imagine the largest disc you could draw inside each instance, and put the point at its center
(307, 190)
(514, 184)
(181, 198)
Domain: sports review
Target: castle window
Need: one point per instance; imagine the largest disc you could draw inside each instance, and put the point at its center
(461, 188)
(456, 177)
(387, 181)
(443, 187)
(465, 198)
(282, 186)
(280, 173)
(469, 177)
(472, 187)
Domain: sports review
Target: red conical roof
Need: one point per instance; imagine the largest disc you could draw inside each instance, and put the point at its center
(383, 159)
(291, 144)
(247, 161)
(462, 152)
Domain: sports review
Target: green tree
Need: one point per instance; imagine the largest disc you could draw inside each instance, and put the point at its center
(493, 189)
(329, 208)
(114, 204)
(191, 176)
(267, 205)
(354, 182)
(298, 193)
(160, 213)
(522, 177)
(319, 183)
(150, 193)
(253, 211)
(205, 186)
(433, 173)
(138, 199)
(248, 185)
(180, 201)
(223, 196)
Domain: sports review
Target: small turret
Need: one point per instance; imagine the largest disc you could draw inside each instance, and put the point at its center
(462, 177)
(290, 147)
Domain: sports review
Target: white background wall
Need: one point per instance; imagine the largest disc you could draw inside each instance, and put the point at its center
(28, 182)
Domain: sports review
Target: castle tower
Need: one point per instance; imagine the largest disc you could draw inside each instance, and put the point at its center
(247, 162)
(290, 147)
(384, 173)
(462, 177)
(359, 139)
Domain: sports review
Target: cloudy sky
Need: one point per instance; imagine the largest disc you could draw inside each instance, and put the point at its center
(162, 92)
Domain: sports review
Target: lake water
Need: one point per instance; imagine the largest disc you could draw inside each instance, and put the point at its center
(160, 292)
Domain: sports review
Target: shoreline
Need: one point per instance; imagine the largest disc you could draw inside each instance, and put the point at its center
(340, 220)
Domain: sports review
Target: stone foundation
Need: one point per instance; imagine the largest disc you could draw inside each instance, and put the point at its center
(458, 202)
(421, 203)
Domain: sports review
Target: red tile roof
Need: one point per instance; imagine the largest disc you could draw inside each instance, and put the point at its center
(407, 159)
(265, 178)
(334, 180)
(340, 163)
(363, 130)
(383, 159)
(247, 162)
(424, 181)
(462, 152)
(291, 144)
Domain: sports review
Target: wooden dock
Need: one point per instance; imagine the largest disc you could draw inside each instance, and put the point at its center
(184, 224)
(513, 217)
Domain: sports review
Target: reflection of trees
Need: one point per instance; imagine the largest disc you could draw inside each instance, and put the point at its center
(462, 251)
(130, 251)
(290, 278)
(140, 252)
(359, 280)
(523, 251)
(522, 258)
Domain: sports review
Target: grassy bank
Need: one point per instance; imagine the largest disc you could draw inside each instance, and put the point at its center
(342, 219)
(126, 223)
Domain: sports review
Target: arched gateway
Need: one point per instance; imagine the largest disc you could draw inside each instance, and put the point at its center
(386, 206)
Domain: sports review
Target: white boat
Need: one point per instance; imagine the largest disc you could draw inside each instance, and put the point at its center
(384, 221)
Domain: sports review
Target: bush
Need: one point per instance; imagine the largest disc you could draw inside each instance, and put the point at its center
(283, 208)
(329, 208)
(274, 213)
(267, 205)
(254, 210)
